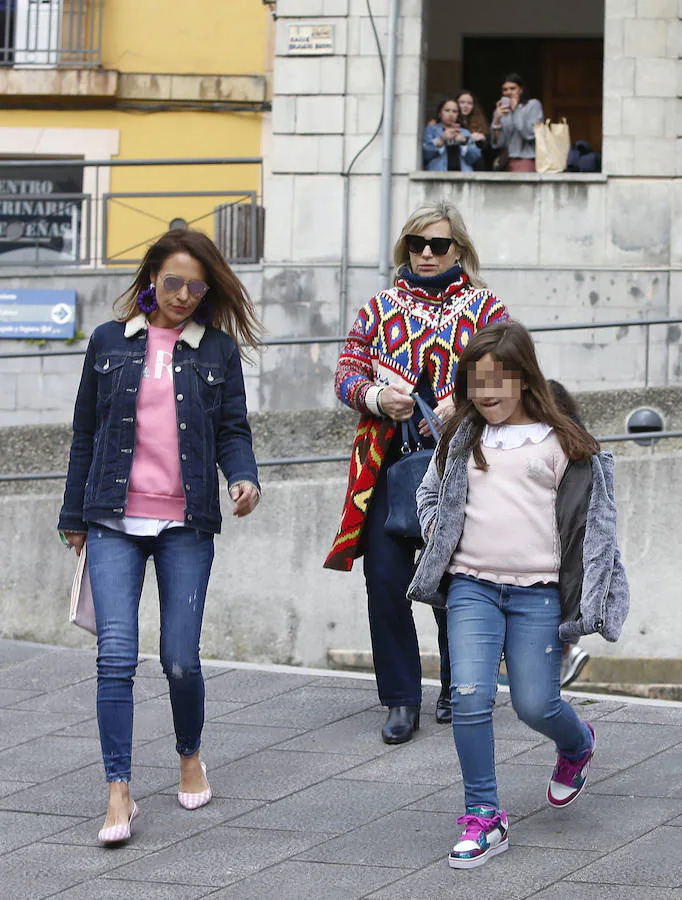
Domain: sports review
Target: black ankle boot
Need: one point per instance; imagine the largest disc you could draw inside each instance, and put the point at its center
(400, 725)
(444, 707)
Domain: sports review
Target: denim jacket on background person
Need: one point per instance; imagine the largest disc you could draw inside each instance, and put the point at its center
(593, 587)
(210, 406)
(436, 158)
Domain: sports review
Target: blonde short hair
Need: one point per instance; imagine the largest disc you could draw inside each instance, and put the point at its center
(428, 214)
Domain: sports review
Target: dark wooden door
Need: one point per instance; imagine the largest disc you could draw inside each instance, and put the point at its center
(572, 86)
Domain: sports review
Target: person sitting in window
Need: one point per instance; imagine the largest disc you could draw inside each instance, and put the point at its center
(447, 146)
(512, 126)
(472, 117)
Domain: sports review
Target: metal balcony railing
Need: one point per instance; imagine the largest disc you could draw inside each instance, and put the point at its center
(50, 33)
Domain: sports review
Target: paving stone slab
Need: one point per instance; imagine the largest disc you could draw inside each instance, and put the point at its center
(83, 792)
(310, 881)
(12, 696)
(220, 743)
(161, 822)
(514, 875)
(253, 686)
(12, 652)
(18, 829)
(405, 839)
(222, 855)
(643, 713)
(430, 760)
(47, 758)
(619, 744)
(660, 776)
(272, 774)
(11, 787)
(53, 670)
(359, 734)
(114, 889)
(585, 825)
(333, 807)
(566, 891)
(361, 684)
(42, 870)
(305, 707)
(19, 726)
(652, 861)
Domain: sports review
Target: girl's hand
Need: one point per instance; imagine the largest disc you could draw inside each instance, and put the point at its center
(444, 410)
(245, 496)
(476, 136)
(396, 402)
(76, 539)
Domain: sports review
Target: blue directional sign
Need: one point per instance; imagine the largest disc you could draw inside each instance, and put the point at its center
(46, 314)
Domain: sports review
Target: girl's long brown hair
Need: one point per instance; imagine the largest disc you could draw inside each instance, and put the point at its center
(476, 120)
(233, 310)
(511, 344)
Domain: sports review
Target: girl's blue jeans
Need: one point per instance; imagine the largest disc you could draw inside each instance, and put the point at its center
(484, 619)
(116, 562)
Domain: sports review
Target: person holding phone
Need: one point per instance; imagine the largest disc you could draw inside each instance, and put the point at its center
(512, 126)
(448, 146)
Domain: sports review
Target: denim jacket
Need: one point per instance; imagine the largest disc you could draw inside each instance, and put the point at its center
(436, 158)
(210, 406)
(593, 587)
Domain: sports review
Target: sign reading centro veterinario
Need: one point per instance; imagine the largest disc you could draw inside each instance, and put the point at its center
(47, 314)
(311, 40)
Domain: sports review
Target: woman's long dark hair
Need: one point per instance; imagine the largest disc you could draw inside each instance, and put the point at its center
(233, 310)
(510, 344)
(517, 79)
(476, 120)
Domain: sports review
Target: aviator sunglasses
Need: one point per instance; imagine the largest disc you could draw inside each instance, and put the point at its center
(173, 283)
(417, 242)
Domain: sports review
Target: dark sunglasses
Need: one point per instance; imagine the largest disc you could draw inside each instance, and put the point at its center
(173, 283)
(439, 245)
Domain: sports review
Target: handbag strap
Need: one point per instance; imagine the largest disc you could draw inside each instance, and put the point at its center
(409, 429)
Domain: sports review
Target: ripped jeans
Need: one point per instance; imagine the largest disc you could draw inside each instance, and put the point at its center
(116, 562)
(484, 619)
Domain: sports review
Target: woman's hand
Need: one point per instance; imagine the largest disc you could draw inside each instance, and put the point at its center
(396, 402)
(477, 136)
(76, 539)
(444, 410)
(245, 496)
(450, 134)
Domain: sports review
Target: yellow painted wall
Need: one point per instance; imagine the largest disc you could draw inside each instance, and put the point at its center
(202, 36)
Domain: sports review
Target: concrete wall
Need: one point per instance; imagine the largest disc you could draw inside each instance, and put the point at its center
(271, 601)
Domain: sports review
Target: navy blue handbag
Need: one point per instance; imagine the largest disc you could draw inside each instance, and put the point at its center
(406, 474)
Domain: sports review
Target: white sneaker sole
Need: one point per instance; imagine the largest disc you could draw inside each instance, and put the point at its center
(478, 860)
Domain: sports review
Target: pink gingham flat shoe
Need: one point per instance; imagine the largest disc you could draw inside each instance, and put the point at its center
(116, 834)
(194, 801)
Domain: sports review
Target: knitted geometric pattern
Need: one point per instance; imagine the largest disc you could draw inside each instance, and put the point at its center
(397, 335)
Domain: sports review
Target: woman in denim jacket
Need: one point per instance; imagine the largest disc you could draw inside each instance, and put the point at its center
(160, 405)
(447, 145)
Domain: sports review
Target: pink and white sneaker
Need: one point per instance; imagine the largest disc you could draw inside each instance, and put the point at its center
(569, 776)
(484, 835)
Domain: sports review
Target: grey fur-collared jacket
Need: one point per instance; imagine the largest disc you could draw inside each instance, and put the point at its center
(595, 596)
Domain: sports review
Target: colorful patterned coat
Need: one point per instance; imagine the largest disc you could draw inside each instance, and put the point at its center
(398, 334)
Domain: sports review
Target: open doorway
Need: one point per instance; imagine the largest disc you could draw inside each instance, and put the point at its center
(557, 49)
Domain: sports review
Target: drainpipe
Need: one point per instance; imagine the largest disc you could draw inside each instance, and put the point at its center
(387, 154)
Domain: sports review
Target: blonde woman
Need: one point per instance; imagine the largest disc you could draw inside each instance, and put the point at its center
(407, 338)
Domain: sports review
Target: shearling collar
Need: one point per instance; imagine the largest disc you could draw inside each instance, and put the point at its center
(191, 334)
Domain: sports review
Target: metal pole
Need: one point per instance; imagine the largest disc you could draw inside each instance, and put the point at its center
(387, 155)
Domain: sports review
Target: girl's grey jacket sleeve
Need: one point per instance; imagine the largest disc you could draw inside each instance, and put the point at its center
(427, 498)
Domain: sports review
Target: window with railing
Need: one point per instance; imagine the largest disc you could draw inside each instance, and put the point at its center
(50, 33)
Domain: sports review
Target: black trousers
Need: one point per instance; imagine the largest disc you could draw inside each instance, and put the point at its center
(388, 566)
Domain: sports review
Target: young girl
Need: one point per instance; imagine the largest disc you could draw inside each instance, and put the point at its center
(519, 520)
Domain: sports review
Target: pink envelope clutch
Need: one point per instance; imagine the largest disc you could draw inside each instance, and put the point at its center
(82, 609)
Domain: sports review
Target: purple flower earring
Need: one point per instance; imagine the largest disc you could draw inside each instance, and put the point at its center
(203, 314)
(146, 300)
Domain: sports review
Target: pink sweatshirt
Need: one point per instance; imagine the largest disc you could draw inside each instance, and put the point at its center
(155, 490)
(510, 531)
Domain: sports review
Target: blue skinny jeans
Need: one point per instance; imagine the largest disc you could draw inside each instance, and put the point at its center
(116, 562)
(483, 620)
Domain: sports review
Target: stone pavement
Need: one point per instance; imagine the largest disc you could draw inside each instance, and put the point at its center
(309, 804)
